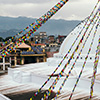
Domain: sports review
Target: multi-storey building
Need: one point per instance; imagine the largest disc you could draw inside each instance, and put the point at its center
(51, 38)
(39, 38)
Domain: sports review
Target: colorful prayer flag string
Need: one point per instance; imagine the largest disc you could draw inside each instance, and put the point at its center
(85, 60)
(58, 92)
(11, 40)
(22, 40)
(38, 23)
(71, 70)
(95, 69)
(67, 52)
(60, 74)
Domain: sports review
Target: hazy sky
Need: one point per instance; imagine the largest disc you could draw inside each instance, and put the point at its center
(73, 10)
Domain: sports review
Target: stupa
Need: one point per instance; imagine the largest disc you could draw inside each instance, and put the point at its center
(68, 72)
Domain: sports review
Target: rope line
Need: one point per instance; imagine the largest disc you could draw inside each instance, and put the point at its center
(95, 69)
(67, 52)
(38, 24)
(58, 92)
(84, 61)
(60, 74)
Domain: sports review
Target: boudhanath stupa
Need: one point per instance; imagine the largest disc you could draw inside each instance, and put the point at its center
(69, 72)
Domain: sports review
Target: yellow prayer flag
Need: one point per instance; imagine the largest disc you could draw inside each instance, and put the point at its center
(30, 98)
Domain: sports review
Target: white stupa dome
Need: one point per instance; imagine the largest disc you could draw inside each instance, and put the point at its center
(72, 36)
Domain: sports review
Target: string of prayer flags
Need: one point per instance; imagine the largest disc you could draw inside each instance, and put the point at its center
(10, 40)
(94, 76)
(95, 69)
(40, 21)
(85, 60)
(67, 52)
(74, 64)
(60, 74)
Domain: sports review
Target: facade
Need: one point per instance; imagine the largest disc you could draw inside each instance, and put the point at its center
(38, 45)
(51, 38)
(24, 54)
(29, 54)
(43, 35)
(60, 38)
(40, 38)
(53, 45)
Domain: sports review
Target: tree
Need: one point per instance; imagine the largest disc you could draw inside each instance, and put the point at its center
(7, 38)
(1, 39)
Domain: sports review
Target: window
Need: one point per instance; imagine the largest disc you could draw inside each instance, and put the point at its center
(31, 39)
(36, 36)
(90, 58)
(7, 59)
(80, 57)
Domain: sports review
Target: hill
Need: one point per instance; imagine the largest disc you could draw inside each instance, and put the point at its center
(10, 26)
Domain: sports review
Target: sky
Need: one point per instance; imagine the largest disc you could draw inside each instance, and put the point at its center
(73, 10)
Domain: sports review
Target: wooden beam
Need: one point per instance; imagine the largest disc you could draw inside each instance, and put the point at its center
(33, 55)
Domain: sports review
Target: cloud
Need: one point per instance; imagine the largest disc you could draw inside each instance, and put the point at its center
(26, 9)
(74, 9)
(35, 1)
(26, 1)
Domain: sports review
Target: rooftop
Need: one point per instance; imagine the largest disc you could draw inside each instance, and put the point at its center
(23, 45)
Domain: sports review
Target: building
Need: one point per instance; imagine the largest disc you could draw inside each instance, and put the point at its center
(39, 38)
(51, 39)
(60, 38)
(42, 35)
(24, 54)
(29, 54)
(41, 45)
(53, 45)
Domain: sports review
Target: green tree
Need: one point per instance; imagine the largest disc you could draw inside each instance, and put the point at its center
(7, 38)
(1, 39)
